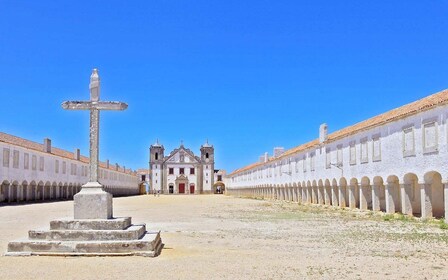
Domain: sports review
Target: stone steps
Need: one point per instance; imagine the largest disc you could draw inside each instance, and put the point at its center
(132, 232)
(96, 237)
(149, 245)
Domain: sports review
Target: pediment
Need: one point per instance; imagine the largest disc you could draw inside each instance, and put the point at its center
(181, 155)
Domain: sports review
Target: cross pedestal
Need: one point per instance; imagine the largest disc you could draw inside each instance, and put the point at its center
(93, 231)
(92, 202)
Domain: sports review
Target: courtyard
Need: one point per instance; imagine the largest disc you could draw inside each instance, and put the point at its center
(222, 237)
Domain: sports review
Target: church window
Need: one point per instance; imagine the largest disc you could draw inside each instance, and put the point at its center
(6, 157)
(56, 166)
(41, 163)
(171, 171)
(15, 159)
(26, 161)
(182, 170)
(156, 156)
(430, 137)
(206, 155)
(352, 153)
(191, 171)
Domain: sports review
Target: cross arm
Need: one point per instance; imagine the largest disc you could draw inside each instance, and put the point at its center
(99, 105)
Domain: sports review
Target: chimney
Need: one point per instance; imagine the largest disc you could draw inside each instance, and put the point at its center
(323, 133)
(47, 145)
(77, 154)
(278, 151)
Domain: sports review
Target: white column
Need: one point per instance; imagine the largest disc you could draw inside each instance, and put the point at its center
(376, 197)
(352, 196)
(406, 203)
(342, 190)
(390, 201)
(426, 195)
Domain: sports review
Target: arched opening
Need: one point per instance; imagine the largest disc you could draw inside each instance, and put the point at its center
(434, 195)
(320, 192)
(343, 193)
(410, 195)
(219, 187)
(393, 197)
(156, 156)
(353, 199)
(378, 195)
(24, 191)
(171, 189)
(32, 189)
(13, 192)
(4, 192)
(365, 194)
(40, 191)
(309, 192)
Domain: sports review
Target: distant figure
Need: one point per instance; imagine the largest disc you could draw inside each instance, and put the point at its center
(154, 191)
(158, 192)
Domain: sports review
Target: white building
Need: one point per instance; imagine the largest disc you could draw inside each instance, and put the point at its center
(181, 172)
(32, 171)
(394, 162)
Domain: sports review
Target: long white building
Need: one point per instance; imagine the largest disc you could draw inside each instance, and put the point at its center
(32, 171)
(393, 162)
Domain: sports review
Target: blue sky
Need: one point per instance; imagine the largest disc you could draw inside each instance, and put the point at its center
(247, 75)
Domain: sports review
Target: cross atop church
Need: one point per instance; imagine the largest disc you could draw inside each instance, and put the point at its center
(94, 105)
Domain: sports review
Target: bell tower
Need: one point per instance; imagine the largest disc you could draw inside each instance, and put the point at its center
(208, 166)
(156, 155)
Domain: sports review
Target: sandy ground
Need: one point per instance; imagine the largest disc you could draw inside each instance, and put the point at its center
(218, 237)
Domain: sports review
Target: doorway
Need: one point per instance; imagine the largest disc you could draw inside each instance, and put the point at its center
(192, 189)
(181, 187)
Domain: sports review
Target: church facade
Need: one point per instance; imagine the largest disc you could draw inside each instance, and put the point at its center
(181, 172)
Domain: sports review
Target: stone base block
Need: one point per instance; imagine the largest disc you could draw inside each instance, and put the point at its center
(92, 202)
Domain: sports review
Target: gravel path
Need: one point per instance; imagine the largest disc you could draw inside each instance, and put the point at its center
(219, 237)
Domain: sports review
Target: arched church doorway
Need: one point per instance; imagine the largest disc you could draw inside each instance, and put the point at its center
(171, 189)
(181, 187)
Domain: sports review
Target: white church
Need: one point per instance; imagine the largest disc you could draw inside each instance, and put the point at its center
(182, 172)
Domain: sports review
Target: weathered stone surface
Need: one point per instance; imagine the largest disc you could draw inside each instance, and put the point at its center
(132, 232)
(96, 224)
(150, 245)
(92, 203)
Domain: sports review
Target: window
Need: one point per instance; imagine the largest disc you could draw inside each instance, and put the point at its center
(352, 153)
(328, 158)
(430, 144)
(364, 151)
(312, 163)
(339, 159)
(171, 171)
(56, 166)
(34, 162)
(156, 156)
(15, 159)
(41, 163)
(6, 153)
(304, 163)
(376, 148)
(191, 171)
(206, 155)
(408, 142)
(182, 170)
(64, 167)
(26, 161)
(219, 177)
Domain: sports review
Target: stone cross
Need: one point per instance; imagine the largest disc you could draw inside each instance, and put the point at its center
(94, 105)
(92, 202)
